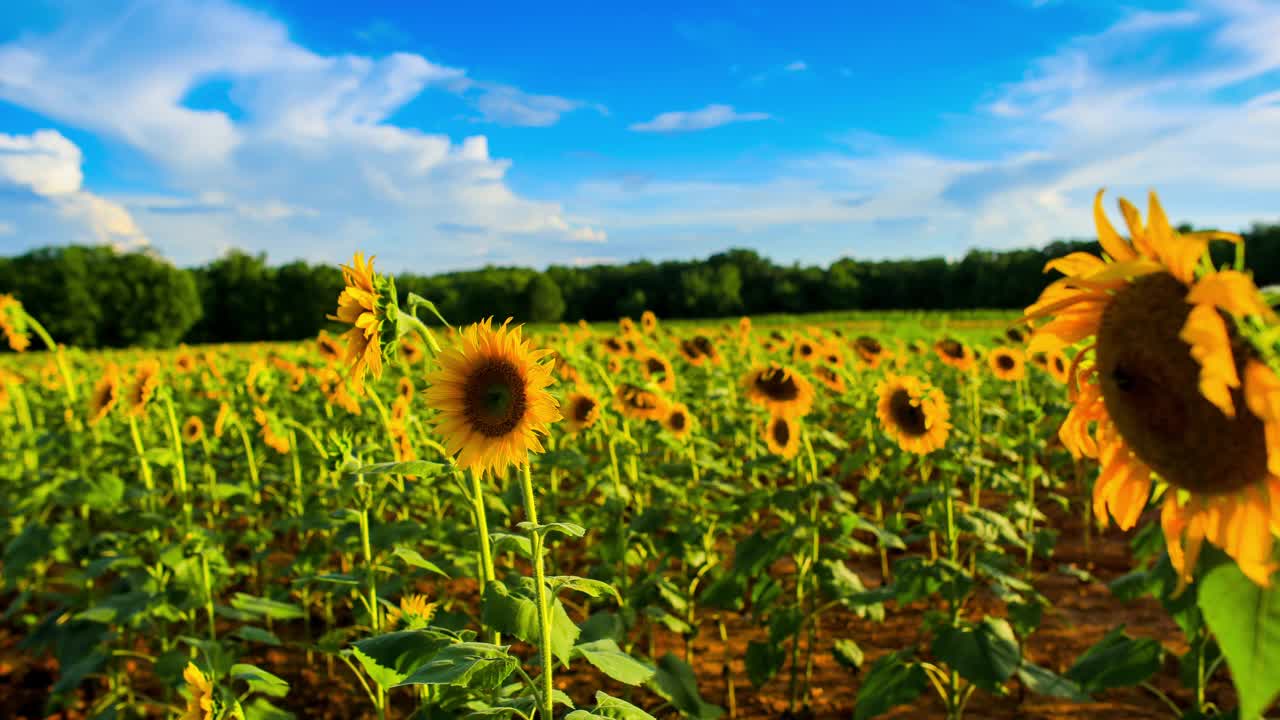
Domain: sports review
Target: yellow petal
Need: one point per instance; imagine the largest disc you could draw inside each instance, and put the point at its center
(1232, 291)
(1108, 238)
(1206, 332)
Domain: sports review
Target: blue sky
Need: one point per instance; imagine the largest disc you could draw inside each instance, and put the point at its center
(444, 137)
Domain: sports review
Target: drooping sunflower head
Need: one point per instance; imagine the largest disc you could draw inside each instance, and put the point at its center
(106, 393)
(415, 612)
(490, 391)
(782, 436)
(636, 402)
(192, 430)
(657, 369)
(1007, 363)
(779, 389)
(200, 701)
(581, 411)
(146, 379)
(367, 303)
(1174, 387)
(913, 413)
(956, 354)
(648, 322)
(13, 322)
(678, 421)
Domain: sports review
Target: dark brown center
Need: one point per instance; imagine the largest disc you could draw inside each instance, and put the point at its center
(869, 345)
(703, 344)
(656, 366)
(777, 384)
(781, 431)
(907, 416)
(494, 398)
(1150, 384)
(677, 421)
(952, 349)
(1005, 362)
(582, 407)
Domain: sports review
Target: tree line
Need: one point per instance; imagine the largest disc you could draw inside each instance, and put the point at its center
(96, 297)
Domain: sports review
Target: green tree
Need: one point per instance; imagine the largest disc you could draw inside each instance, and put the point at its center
(544, 301)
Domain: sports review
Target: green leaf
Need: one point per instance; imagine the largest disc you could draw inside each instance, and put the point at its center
(266, 608)
(594, 588)
(515, 614)
(415, 559)
(476, 666)
(262, 709)
(1245, 619)
(610, 708)
(421, 468)
(893, 680)
(392, 657)
(985, 655)
(675, 682)
(848, 654)
(1043, 681)
(260, 680)
(250, 633)
(612, 661)
(1117, 660)
(556, 527)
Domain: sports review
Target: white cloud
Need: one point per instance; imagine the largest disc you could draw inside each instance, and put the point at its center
(47, 165)
(711, 116)
(796, 66)
(307, 164)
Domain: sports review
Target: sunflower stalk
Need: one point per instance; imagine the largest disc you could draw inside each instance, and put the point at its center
(546, 696)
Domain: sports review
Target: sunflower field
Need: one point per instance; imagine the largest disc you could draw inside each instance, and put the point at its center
(1068, 512)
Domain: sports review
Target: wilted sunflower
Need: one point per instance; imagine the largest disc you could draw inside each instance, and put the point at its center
(328, 348)
(913, 413)
(200, 704)
(146, 378)
(581, 411)
(636, 402)
(781, 390)
(657, 369)
(956, 354)
(648, 322)
(1173, 387)
(13, 321)
(106, 393)
(782, 436)
(677, 421)
(491, 393)
(368, 304)
(192, 429)
(271, 436)
(415, 612)
(1008, 364)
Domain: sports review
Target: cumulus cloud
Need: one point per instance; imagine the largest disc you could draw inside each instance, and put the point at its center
(711, 116)
(796, 66)
(46, 165)
(306, 149)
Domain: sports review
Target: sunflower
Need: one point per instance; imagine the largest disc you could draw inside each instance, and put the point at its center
(106, 393)
(614, 365)
(192, 430)
(648, 322)
(186, 361)
(1057, 364)
(956, 354)
(615, 347)
(636, 402)
(913, 413)
(782, 436)
(415, 612)
(744, 326)
(780, 389)
(411, 352)
(368, 304)
(626, 326)
(335, 391)
(828, 376)
(1016, 334)
(13, 321)
(657, 370)
(582, 411)
(328, 348)
(271, 435)
(404, 390)
(491, 393)
(1008, 364)
(1170, 386)
(200, 703)
(804, 350)
(677, 420)
(146, 378)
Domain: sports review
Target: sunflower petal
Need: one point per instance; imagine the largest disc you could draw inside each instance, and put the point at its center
(1108, 238)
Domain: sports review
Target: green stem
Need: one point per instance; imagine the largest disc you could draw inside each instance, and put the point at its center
(487, 573)
(180, 462)
(540, 586)
(144, 467)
